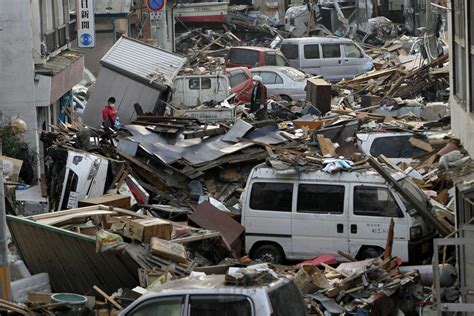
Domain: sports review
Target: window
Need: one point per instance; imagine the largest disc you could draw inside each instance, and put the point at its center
(400, 147)
(320, 198)
(471, 55)
(194, 83)
(459, 49)
(290, 51)
(286, 300)
(243, 57)
(311, 51)
(171, 306)
(270, 77)
(331, 51)
(375, 201)
(237, 77)
(267, 196)
(352, 51)
(281, 61)
(225, 305)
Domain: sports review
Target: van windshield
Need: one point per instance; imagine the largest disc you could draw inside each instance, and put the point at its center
(410, 186)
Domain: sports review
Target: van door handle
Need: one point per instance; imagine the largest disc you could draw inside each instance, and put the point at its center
(340, 228)
(353, 229)
(339, 61)
(346, 60)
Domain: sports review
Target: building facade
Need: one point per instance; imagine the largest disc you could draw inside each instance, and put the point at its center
(37, 68)
(461, 50)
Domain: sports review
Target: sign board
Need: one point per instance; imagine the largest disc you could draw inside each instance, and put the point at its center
(156, 15)
(156, 5)
(85, 23)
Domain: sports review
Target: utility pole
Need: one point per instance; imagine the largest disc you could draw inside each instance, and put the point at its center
(5, 290)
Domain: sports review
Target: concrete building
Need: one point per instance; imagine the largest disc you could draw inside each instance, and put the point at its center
(112, 20)
(461, 30)
(37, 69)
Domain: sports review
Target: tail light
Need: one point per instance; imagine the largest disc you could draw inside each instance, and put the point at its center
(416, 232)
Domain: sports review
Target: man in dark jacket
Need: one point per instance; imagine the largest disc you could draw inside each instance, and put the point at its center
(259, 95)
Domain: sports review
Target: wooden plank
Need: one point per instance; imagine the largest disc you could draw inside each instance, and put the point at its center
(107, 297)
(326, 145)
(415, 142)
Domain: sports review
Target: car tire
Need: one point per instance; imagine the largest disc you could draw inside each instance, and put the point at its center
(285, 98)
(269, 253)
(369, 253)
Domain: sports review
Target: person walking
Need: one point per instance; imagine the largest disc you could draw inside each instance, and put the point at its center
(258, 98)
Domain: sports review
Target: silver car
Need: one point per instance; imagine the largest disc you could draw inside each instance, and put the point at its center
(286, 82)
(208, 295)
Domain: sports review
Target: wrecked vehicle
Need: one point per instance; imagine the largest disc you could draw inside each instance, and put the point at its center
(301, 215)
(246, 56)
(286, 82)
(332, 58)
(210, 295)
(193, 90)
(84, 176)
(403, 146)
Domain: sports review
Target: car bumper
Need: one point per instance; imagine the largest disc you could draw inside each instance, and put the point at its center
(420, 250)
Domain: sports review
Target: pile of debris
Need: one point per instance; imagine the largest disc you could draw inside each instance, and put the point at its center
(205, 50)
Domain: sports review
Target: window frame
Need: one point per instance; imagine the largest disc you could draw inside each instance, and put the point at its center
(151, 300)
(328, 44)
(319, 51)
(190, 296)
(361, 55)
(344, 196)
(400, 206)
(293, 197)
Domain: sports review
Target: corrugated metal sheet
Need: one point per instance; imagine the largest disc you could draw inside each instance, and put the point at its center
(143, 61)
(126, 91)
(112, 6)
(70, 259)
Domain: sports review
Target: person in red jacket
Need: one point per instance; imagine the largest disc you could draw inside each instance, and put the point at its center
(109, 114)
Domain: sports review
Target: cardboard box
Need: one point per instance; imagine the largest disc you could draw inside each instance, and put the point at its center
(168, 249)
(145, 229)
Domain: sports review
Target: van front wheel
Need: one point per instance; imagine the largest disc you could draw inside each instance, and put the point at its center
(269, 253)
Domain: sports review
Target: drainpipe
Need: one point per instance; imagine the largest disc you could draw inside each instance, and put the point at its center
(5, 290)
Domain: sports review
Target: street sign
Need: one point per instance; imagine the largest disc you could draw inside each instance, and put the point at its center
(156, 5)
(85, 23)
(156, 15)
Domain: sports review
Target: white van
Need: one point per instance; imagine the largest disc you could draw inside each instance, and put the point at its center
(333, 58)
(301, 215)
(194, 90)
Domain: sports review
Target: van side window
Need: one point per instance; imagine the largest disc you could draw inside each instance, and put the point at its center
(320, 198)
(194, 83)
(229, 305)
(268, 196)
(243, 57)
(375, 201)
(290, 51)
(352, 51)
(331, 50)
(311, 51)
